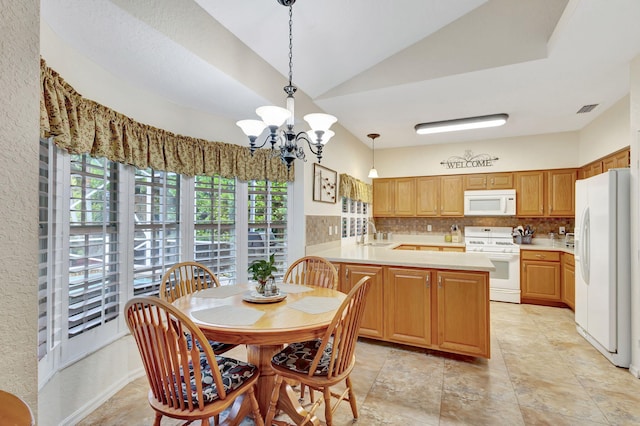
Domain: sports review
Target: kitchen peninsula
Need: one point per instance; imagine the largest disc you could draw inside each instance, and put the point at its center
(431, 299)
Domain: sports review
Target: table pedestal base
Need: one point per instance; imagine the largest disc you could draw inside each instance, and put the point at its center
(261, 355)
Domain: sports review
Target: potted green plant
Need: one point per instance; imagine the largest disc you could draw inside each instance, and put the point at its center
(261, 271)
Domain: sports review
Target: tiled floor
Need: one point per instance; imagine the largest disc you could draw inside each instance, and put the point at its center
(541, 373)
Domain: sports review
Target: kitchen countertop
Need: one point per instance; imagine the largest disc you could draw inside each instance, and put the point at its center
(386, 255)
(547, 244)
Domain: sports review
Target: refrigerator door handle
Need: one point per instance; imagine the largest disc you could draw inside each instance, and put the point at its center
(584, 246)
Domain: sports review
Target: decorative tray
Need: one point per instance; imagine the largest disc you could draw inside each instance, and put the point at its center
(255, 297)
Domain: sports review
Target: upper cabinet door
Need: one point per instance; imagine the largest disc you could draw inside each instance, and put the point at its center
(405, 197)
(500, 181)
(451, 196)
(428, 196)
(383, 190)
(475, 182)
(561, 192)
(530, 193)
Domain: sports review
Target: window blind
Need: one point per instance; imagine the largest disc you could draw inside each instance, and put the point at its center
(215, 224)
(267, 222)
(156, 228)
(93, 243)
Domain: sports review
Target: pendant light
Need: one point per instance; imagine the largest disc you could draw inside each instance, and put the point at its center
(373, 173)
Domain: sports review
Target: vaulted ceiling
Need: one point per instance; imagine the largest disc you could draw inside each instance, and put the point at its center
(378, 65)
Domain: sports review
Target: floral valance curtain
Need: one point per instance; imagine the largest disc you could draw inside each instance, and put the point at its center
(355, 189)
(80, 125)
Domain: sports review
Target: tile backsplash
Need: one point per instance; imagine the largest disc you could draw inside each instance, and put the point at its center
(317, 229)
(419, 225)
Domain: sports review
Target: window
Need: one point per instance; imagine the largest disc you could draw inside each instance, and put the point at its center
(156, 228)
(214, 224)
(109, 231)
(44, 341)
(267, 222)
(93, 243)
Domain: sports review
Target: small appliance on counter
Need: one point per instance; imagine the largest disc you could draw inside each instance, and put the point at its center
(568, 239)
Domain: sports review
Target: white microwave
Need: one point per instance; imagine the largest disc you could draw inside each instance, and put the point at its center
(490, 202)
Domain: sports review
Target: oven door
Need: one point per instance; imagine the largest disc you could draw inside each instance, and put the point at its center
(504, 282)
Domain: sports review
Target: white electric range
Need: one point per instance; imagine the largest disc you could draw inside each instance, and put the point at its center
(497, 243)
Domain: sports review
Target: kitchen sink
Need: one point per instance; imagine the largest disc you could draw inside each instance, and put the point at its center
(376, 244)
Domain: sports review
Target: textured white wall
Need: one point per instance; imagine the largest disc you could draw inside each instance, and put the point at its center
(550, 151)
(19, 132)
(606, 134)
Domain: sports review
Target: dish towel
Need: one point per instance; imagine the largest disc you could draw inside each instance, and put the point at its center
(221, 292)
(228, 315)
(294, 288)
(316, 305)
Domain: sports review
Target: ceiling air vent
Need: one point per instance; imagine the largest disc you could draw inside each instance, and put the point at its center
(586, 108)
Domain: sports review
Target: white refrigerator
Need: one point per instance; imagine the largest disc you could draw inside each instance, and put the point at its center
(603, 264)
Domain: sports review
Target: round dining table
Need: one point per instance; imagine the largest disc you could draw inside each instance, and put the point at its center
(223, 314)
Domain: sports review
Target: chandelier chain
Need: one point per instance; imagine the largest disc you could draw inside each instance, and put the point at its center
(290, 45)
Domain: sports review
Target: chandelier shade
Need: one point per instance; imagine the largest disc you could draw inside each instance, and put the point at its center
(281, 121)
(273, 115)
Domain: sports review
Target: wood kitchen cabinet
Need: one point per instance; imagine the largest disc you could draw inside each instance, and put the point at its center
(408, 305)
(372, 321)
(616, 160)
(463, 313)
(440, 196)
(530, 193)
(394, 197)
(405, 197)
(561, 192)
(568, 290)
(488, 181)
(451, 196)
(428, 196)
(540, 272)
(383, 193)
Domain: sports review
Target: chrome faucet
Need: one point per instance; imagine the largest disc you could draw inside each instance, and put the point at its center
(366, 228)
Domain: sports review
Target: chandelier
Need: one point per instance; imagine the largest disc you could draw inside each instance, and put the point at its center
(280, 121)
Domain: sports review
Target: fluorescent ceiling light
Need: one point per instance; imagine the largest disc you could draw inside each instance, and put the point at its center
(461, 124)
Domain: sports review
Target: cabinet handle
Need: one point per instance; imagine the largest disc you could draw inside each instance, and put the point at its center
(540, 256)
(426, 279)
(439, 282)
(346, 273)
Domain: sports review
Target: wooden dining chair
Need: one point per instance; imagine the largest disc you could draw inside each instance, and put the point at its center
(312, 270)
(14, 411)
(185, 278)
(188, 382)
(316, 271)
(322, 363)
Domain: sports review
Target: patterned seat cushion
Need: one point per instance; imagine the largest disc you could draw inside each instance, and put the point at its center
(218, 347)
(234, 374)
(299, 356)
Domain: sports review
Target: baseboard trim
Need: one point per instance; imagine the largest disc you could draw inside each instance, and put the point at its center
(635, 371)
(101, 398)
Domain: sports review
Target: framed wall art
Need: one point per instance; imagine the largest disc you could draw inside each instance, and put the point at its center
(325, 184)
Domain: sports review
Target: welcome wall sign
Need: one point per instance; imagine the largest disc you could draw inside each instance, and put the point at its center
(469, 160)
